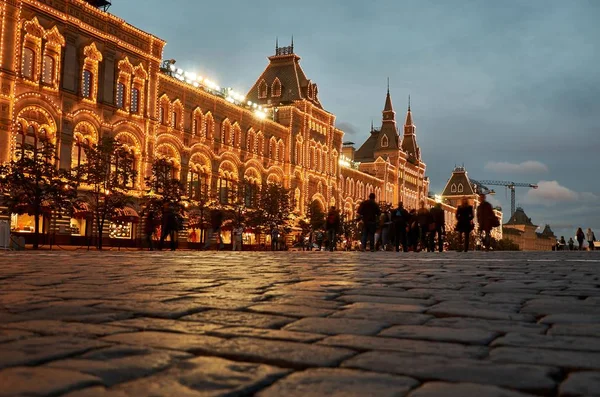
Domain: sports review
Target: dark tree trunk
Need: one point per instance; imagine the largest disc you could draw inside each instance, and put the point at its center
(36, 234)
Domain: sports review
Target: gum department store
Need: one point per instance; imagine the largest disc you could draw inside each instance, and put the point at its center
(73, 73)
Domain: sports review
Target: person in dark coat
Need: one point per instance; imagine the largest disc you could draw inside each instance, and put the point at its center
(487, 220)
(216, 221)
(150, 228)
(413, 230)
(424, 219)
(369, 212)
(332, 226)
(580, 237)
(169, 227)
(399, 219)
(439, 228)
(464, 223)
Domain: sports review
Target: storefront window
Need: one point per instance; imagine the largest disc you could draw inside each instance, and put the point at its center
(121, 230)
(26, 223)
(78, 227)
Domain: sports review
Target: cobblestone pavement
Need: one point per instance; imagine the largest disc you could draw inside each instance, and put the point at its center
(84, 324)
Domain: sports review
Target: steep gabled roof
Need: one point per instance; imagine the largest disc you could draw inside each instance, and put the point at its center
(295, 86)
(547, 232)
(366, 152)
(385, 138)
(409, 140)
(459, 178)
(520, 218)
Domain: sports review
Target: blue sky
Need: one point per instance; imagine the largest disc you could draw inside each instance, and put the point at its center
(511, 89)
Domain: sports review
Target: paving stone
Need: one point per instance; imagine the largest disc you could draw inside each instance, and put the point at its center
(287, 354)
(473, 309)
(161, 324)
(549, 342)
(9, 335)
(570, 318)
(198, 377)
(490, 325)
(339, 383)
(234, 318)
(575, 330)
(471, 336)
(266, 333)
(581, 384)
(37, 350)
(52, 327)
(120, 363)
(309, 302)
(442, 389)
(96, 391)
(386, 299)
(166, 340)
(40, 381)
(290, 310)
(363, 343)
(515, 376)
(385, 307)
(334, 326)
(400, 318)
(557, 358)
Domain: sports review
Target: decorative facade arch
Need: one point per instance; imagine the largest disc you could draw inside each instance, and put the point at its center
(138, 90)
(260, 143)
(276, 88)
(262, 89)
(318, 197)
(251, 141)
(252, 175)
(280, 151)
(164, 109)
(132, 144)
(84, 135)
(385, 141)
(199, 176)
(52, 58)
(177, 115)
(34, 125)
(209, 125)
(236, 138)
(31, 53)
(169, 152)
(227, 181)
(460, 188)
(89, 73)
(197, 123)
(275, 173)
(226, 133)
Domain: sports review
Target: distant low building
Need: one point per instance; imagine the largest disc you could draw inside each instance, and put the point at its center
(521, 231)
(459, 187)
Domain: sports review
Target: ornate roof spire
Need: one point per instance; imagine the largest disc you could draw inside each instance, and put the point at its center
(409, 102)
(388, 108)
(388, 86)
(409, 120)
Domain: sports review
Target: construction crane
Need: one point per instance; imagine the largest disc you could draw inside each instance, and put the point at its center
(509, 185)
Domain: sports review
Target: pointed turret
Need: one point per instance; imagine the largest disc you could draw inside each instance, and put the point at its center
(409, 141)
(388, 109)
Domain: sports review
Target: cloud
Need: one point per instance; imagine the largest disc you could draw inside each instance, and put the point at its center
(348, 128)
(526, 167)
(550, 193)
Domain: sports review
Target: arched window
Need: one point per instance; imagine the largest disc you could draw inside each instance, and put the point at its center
(177, 116)
(460, 188)
(237, 135)
(281, 151)
(384, 141)
(135, 101)
(272, 149)
(48, 72)
(262, 89)
(250, 141)
(209, 126)
(453, 188)
(276, 88)
(120, 95)
(226, 132)
(197, 183)
(27, 67)
(88, 79)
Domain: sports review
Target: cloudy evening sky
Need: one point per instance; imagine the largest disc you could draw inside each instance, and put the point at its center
(509, 88)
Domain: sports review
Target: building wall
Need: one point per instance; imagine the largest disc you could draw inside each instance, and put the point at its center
(69, 71)
(528, 239)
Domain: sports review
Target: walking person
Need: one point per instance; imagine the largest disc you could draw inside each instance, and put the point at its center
(580, 236)
(464, 223)
(439, 228)
(274, 238)
(487, 220)
(399, 219)
(319, 239)
(332, 226)
(413, 230)
(237, 237)
(150, 229)
(424, 220)
(590, 238)
(216, 222)
(169, 227)
(571, 244)
(369, 212)
(385, 220)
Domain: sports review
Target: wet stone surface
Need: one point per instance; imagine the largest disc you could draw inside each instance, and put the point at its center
(88, 324)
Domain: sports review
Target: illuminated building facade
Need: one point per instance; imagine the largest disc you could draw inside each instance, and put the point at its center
(72, 73)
